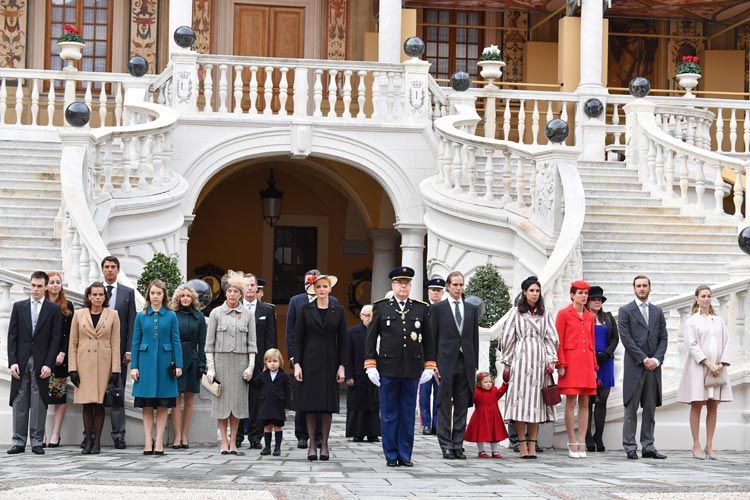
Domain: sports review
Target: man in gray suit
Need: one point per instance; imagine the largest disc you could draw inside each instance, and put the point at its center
(643, 331)
(121, 299)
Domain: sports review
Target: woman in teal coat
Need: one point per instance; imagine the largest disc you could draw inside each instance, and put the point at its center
(155, 364)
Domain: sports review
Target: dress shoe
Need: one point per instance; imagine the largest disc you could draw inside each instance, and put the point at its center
(711, 456)
(405, 463)
(653, 454)
(255, 445)
(16, 449)
(448, 455)
(302, 443)
(391, 463)
(599, 445)
(277, 452)
(358, 439)
(483, 454)
(120, 444)
(459, 454)
(632, 455)
(590, 446)
(426, 431)
(266, 451)
(373, 439)
(434, 431)
(312, 457)
(698, 456)
(37, 450)
(496, 455)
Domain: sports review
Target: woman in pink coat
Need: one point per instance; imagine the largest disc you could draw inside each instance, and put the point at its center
(706, 338)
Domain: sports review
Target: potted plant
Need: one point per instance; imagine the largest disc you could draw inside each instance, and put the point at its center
(688, 74)
(163, 268)
(71, 45)
(491, 64)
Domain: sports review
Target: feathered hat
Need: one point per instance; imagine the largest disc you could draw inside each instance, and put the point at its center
(234, 279)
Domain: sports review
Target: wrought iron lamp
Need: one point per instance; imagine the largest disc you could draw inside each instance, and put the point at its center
(270, 201)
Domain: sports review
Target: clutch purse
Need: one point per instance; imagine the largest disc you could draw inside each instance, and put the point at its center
(113, 397)
(213, 387)
(712, 380)
(172, 369)
(551, 393)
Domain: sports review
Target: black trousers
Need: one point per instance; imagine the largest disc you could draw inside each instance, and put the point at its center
(453, 407)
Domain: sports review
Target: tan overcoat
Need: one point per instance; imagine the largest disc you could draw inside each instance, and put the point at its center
(94, 353)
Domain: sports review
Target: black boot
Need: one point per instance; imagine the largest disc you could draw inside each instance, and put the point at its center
(88, 442)
(266, 449)
(277, 443)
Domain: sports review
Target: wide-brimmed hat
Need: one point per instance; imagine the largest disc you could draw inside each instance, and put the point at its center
(311, 279)
(596, 292)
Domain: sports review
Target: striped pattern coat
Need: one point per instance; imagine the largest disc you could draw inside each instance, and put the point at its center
(528, 343)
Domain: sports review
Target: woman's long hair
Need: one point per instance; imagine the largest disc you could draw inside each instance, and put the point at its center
(696, 307)
(164, 299)
(62, 299)
(175, 305)
(524, 307)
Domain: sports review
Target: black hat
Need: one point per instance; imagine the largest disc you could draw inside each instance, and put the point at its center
(596, 292)
(525, 284)
(436, 283)
(401, 273)
(261, 282)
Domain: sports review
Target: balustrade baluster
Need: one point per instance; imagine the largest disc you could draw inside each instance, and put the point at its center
(127, 163)
(83, 262)
(103, 106)
(253, 90)
(19, 101)
(283, 90)
(34, 101)
(669, 174)
(651, 164)
(456, 167)
(332, 88)
(506, 178)
(564, 112)
(659, 168)
(520, 184)
(398, 85)
(718, 190)
(690, 132)
(98, 169)
(490, 115)
(88, 99)
(746, 131)
(448, 163)
(347, 93)
(720, 130)
(733, 131)
(50, 105)
(223, 88)
(471, 168)
(3, 100)
(506, 119)
(737, 198)
(700, 185)
(389, 111)
(118, 105)
(521, 122)
(684, 179)
(375, 94)
(94, 271)
(361, 94)
(535, 123)
(208, 88)
(677, 127)
(740, 323)
(489, 174)
(724, 308)
(268, 92)
(75, 255)
(108, 167)
(441, 142)
(318, 93)
(157, 179)
(238, 85)
(145, 163)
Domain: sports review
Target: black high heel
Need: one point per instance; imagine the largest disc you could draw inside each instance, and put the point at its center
(153, 445)
(54, 445)
(313, 458)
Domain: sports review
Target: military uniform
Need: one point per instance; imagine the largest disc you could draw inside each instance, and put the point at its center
(406, 349)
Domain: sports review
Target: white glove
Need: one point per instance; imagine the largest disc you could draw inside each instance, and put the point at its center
(210, 371)
(248, 373)
(373, 375)
(427, 375)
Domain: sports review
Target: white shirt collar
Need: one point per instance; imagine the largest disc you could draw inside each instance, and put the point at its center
(639, 302)
(41, 301)
(113, 285)
(254, 303)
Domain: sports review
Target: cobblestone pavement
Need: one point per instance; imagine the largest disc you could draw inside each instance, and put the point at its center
(357, 470)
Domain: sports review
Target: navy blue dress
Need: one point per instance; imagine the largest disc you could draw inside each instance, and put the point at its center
(606, 372)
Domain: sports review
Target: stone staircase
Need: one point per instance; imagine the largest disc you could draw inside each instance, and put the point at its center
(626, 233)
(30, 195)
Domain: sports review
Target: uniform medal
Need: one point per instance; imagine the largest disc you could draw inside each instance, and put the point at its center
(416, 324)
(414, 336)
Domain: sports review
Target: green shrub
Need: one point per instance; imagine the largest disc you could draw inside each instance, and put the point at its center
(162, 268)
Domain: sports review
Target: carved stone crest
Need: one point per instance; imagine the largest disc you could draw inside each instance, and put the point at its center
(184, 87)
(416, 96)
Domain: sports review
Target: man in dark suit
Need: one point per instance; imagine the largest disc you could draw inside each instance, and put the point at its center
(455, 326)
(428, 414)
(121, 299)
(34, 334)
(406, 357)
(265, 330)
(643, 331)
(295, 302)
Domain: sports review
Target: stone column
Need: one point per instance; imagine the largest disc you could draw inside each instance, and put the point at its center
(389, 31)
(383, 260)
(412, 254)
(180, 14)
(592, 17)
(183, 248)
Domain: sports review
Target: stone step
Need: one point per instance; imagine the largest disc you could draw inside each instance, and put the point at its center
(25, 211)
(650, 209)
(644, 219)
(20, 159)
(31, 263)
(9, 250)
(665, 249)
(648, 250)
(660, 264)
(45, 191)
(676, 226)
(31, 203)
(601, 163)
(608, 175)
(22, 229)
(595, 186)
(35, 220)
(11, 145)
(620, 195)
(34, 240)
(704, 275)
(594, 237)
(28, 183)
(617, 198)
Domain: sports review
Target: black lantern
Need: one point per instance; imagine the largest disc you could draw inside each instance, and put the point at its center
(743, 240)
(460, 81)
(556, 130)
(639, 87)
(184, 36)
(593, 108)
(414, 46)
(270, 201)
(77, 114)
(137, 66)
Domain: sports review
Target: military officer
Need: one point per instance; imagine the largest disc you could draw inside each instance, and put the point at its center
(406, 357)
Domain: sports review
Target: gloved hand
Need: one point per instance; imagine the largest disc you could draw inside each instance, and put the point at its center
(601, 357)
(210, 373)
(199, 373)
(75, 378)
(427, 375)
(114, 379)
(374, 376)
(248, 373)
(506, 375)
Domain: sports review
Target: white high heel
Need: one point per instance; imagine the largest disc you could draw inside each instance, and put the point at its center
(571, 453)
(581, 454)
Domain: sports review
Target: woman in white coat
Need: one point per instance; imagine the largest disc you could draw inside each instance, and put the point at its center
(706, 338)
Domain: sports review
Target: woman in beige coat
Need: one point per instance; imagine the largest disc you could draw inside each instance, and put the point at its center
(706, 338)
(94, 360)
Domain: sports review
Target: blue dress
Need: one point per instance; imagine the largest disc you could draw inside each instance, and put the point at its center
(606, 371)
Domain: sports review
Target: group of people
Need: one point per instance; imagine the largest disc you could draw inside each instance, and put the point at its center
(402, 347)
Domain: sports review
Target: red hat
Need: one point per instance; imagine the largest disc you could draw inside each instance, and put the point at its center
(481, 376)
(580, 285)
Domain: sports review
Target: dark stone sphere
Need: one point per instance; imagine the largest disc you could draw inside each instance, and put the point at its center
(593, 108)
(639, 87)
(184, 36)
(77, 114)
(204, 292)
(556, 130)
(138, 66)
(743, 240)
(414, 46)
(460, 81)
(479, 303)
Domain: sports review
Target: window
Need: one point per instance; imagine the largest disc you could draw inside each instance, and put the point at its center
(295, 251)
(453, 41)
(94, 19)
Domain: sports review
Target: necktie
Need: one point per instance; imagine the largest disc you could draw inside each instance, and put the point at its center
(109, 293)
(402, 304)
(34, 314)
(644, 311)
(250, 306)
(457, 313)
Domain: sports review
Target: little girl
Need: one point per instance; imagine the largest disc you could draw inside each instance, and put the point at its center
(274, 398)
(486, 424)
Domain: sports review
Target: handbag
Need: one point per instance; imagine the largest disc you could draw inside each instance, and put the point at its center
(551, 393)
(172, 369)
(712, 380)
(212, 387)
(113, 397)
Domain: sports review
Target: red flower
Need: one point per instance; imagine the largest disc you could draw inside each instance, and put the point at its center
(71, 29)
(696, 59)
(685, 59)
(311, 278)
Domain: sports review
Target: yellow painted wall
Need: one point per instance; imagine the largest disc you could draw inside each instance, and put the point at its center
(540, 62)
(408, 28)
(723, 71)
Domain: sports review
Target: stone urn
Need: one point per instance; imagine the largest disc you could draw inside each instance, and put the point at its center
(491, 70)
(688, 81)
(71, 52)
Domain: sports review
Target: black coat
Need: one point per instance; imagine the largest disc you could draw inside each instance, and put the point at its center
(363, 395)
(125, 306)
(406, 345)
(192, 325)
(265, 332)
(449, 342)
(292, 312)
(320, 349)
(61, 371)
(43, 345)
(274, 396)
(613, 338)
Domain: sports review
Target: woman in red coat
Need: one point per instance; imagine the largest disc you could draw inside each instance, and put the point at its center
(576, 366)
(486, 424)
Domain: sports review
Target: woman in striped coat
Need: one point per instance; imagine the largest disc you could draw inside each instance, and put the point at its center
(529, 353)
